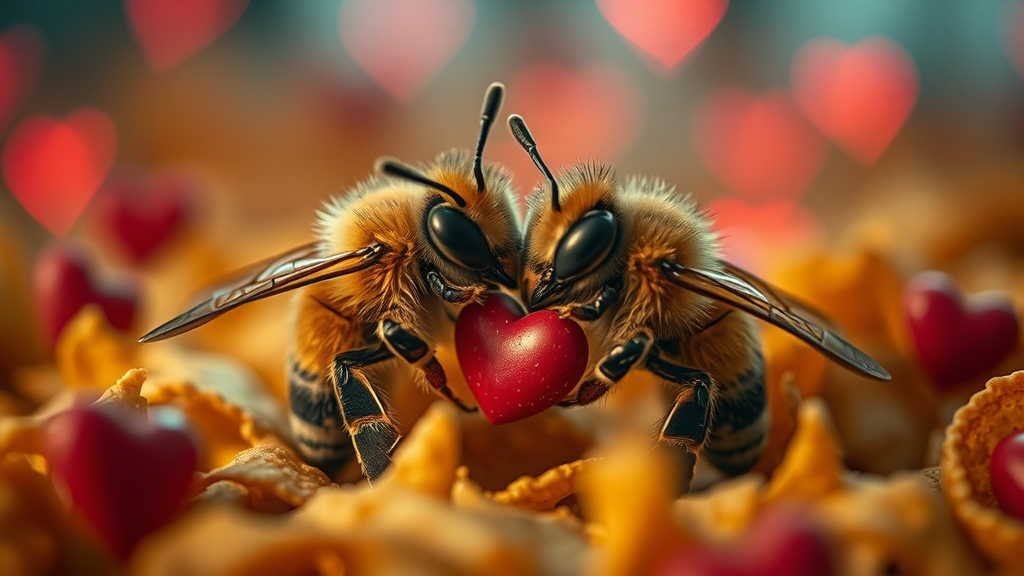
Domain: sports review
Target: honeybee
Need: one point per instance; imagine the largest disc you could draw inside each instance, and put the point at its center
(394, 260)
(638, 265)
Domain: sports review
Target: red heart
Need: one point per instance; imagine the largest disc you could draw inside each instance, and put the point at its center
(667, 30)
(140, 214)
(759, 146)
(403, 44)
(516, 365)
(751, 235)
(127, 476)
(860, 95)
(170, 31)
(779, 542)
(21, 61)
(1007, 473)
(62, 284)
(957, 339)
(54, 167)
(590, 113)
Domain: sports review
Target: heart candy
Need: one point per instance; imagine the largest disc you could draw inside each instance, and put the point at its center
(62, 284)
(125, 475)
(957, 338)
(1006, 469)
(170, 31)
(518, 364)
(141, 214)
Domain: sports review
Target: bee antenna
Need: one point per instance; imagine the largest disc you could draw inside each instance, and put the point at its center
(397, 169)
(525, 139)
(492, 103)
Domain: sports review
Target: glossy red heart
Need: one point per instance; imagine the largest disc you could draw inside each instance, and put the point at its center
(54, 167)
(62, 283)
(170, 31)
(591, 113)
(752, 234)
(957, 338)
(779, 542)
(141, 213)
(667, 30)
(859, 96)
(126, 475)
(1006, 470)
(759, 146)
(518, 365)
(403, 44)
(21, 62)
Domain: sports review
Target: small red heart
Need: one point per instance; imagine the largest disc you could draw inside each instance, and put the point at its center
(21, 62)
(518, 365)
(62, 284)
(759, 146)
(54, 167)
(141, 214)
(403, 44)
(751, 235)
(667, 30)
(1006, 470)
(779, 542)
(127, 476)
(957, 339)
(860, 95)
(170, 31)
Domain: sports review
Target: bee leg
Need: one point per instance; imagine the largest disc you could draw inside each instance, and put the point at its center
(450, 292)
(373, 433)
(415, 351)
(587, 312)
(688, 422)
(612, 368)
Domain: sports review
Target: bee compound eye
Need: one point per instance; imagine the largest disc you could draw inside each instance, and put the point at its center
(457, 237)
(586, 245)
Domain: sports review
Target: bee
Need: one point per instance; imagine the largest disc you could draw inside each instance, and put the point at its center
(638, 265)
(394, 260)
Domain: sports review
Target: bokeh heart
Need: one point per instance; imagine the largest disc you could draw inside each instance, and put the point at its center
(140, 214)
(63, 282)
(54, 167)
(859, 96)
(759, 146)
(21, 62)
(403, 44)
(518, 365)
(666, 30)
(957, 338)
(170, 31)
(1006, 469)
(591, 113)
(126, 475)
(752, 234)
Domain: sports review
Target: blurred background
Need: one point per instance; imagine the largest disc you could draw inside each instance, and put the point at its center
(175, 140)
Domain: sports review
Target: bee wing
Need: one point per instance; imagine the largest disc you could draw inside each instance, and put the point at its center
(293, 269)
(740, 293)
(781, 299)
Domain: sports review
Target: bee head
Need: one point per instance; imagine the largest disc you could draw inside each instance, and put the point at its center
(574, 231)
(469, 220)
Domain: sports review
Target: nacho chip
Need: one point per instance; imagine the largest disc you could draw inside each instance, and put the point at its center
(812, 466)
(543, 492)
(265, 479)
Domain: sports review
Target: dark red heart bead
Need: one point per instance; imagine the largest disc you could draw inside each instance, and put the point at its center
(140, 214)
(1006, 470)
(957, 338)
(518, 365)
(63, 283)
(125, 474)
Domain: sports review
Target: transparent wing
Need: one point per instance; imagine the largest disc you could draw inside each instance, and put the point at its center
(293, 269)
(782, 299)
(740, 293)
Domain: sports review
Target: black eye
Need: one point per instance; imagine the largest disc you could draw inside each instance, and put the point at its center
(587, 243)
(457, 237)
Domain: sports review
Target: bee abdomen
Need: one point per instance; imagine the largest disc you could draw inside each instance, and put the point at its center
(316, 421)
(739, 429)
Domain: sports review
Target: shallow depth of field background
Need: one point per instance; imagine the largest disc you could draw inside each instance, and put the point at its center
(293, 102)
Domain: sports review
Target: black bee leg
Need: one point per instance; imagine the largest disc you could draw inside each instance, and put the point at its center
(612, 368)
(450, 292)
(373, 433)
(415, 351)
(688, 422)
(587, 312)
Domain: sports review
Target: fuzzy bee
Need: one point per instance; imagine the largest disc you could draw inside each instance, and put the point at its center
(395, 259)
(638, 264)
